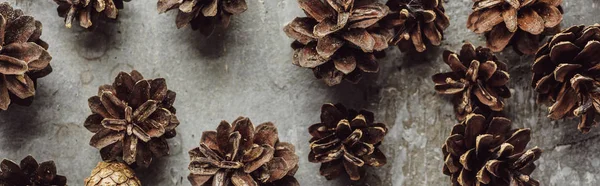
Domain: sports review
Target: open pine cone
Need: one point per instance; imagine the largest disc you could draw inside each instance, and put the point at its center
(203, 15)
(23, 56)
(338, 38)
(132, 119)
(486, 151)
(112, 174)
(88, 11)
(30, 173)
(417, 23)
(477, 81)
(346, 141)
(239, 154)
(520, 23)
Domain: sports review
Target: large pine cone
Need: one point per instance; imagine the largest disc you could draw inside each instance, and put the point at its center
(23, 56)
(204, 15)
(565, 74)
(29, 172)
(477, 81)
(112, 174)
(132, 118)
(417, 23)
(484, 151)
(521, 23)
(88, 11)
(238, 154)
(338, 38)
(346, 141)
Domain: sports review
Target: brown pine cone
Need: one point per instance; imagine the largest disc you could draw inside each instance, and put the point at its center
(23, 56)
(520, 23)
(346, 141)
(203, 15)
(88, 11)
(112, 174)
(240, 154)
(477, 81)
(565, 74)
(132, 119)
(417, 23)
(484, 151)
(29, 172)
(337, 39)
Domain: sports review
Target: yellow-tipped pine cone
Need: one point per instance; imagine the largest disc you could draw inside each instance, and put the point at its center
(112, 174)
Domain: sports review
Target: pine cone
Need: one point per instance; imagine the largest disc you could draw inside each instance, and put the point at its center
(132, 118)
(346, 141)
(112, 174)
(29, 172)
(239, 154)
(203, 15)
(88, 11)
(477, 81)
(521, 23)
(417, 23)
(337, 39)
(481, 151)
(23, 56)
(565, 74)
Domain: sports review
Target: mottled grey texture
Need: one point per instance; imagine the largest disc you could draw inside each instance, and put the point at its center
(247, 71)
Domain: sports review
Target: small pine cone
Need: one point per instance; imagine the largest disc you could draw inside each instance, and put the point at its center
(88, 11)
(346, 141)
(29, 172)
(477, 81)
(522, 24)
(203, 15)
(481, 151)
(132, 119)
(24, 57)
(112, 174)
(338, 41)
(565, 74)
(417, 23)
(243, 155)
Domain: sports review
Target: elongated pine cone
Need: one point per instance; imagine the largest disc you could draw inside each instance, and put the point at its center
(477, 81)
(486, 151)
(346, 141)
(112, 174)
(565, 74)
(417, 23)
(88, 11)
(520, 23)
(203, 15)
(132, 119)
(239, 154)
(338, 38)
(30, 173)
(23, 56)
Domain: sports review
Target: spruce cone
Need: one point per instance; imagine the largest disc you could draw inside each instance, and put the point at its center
(346, 141)
(417, 23)
(477, 81)
(29, 172)
(112, 174)
(521, 23)
(338, 38)
(240, 154)
(88, 11)
(484, 151)
(204, 15)
(23, 56)
(132, 118)
(565, 73)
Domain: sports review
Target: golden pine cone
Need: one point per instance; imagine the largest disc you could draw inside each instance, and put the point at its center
(112, 173)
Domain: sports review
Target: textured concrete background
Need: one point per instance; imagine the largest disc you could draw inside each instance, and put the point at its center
(247, 71)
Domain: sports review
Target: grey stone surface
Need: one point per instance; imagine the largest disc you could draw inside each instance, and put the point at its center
(247, 71)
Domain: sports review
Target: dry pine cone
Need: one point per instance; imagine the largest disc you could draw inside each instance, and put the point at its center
(88, 11)
(132, 119)
(240, 155)
(520, 23)
(484, 151)
(30, 173)
(112, 174)
(204, 15)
